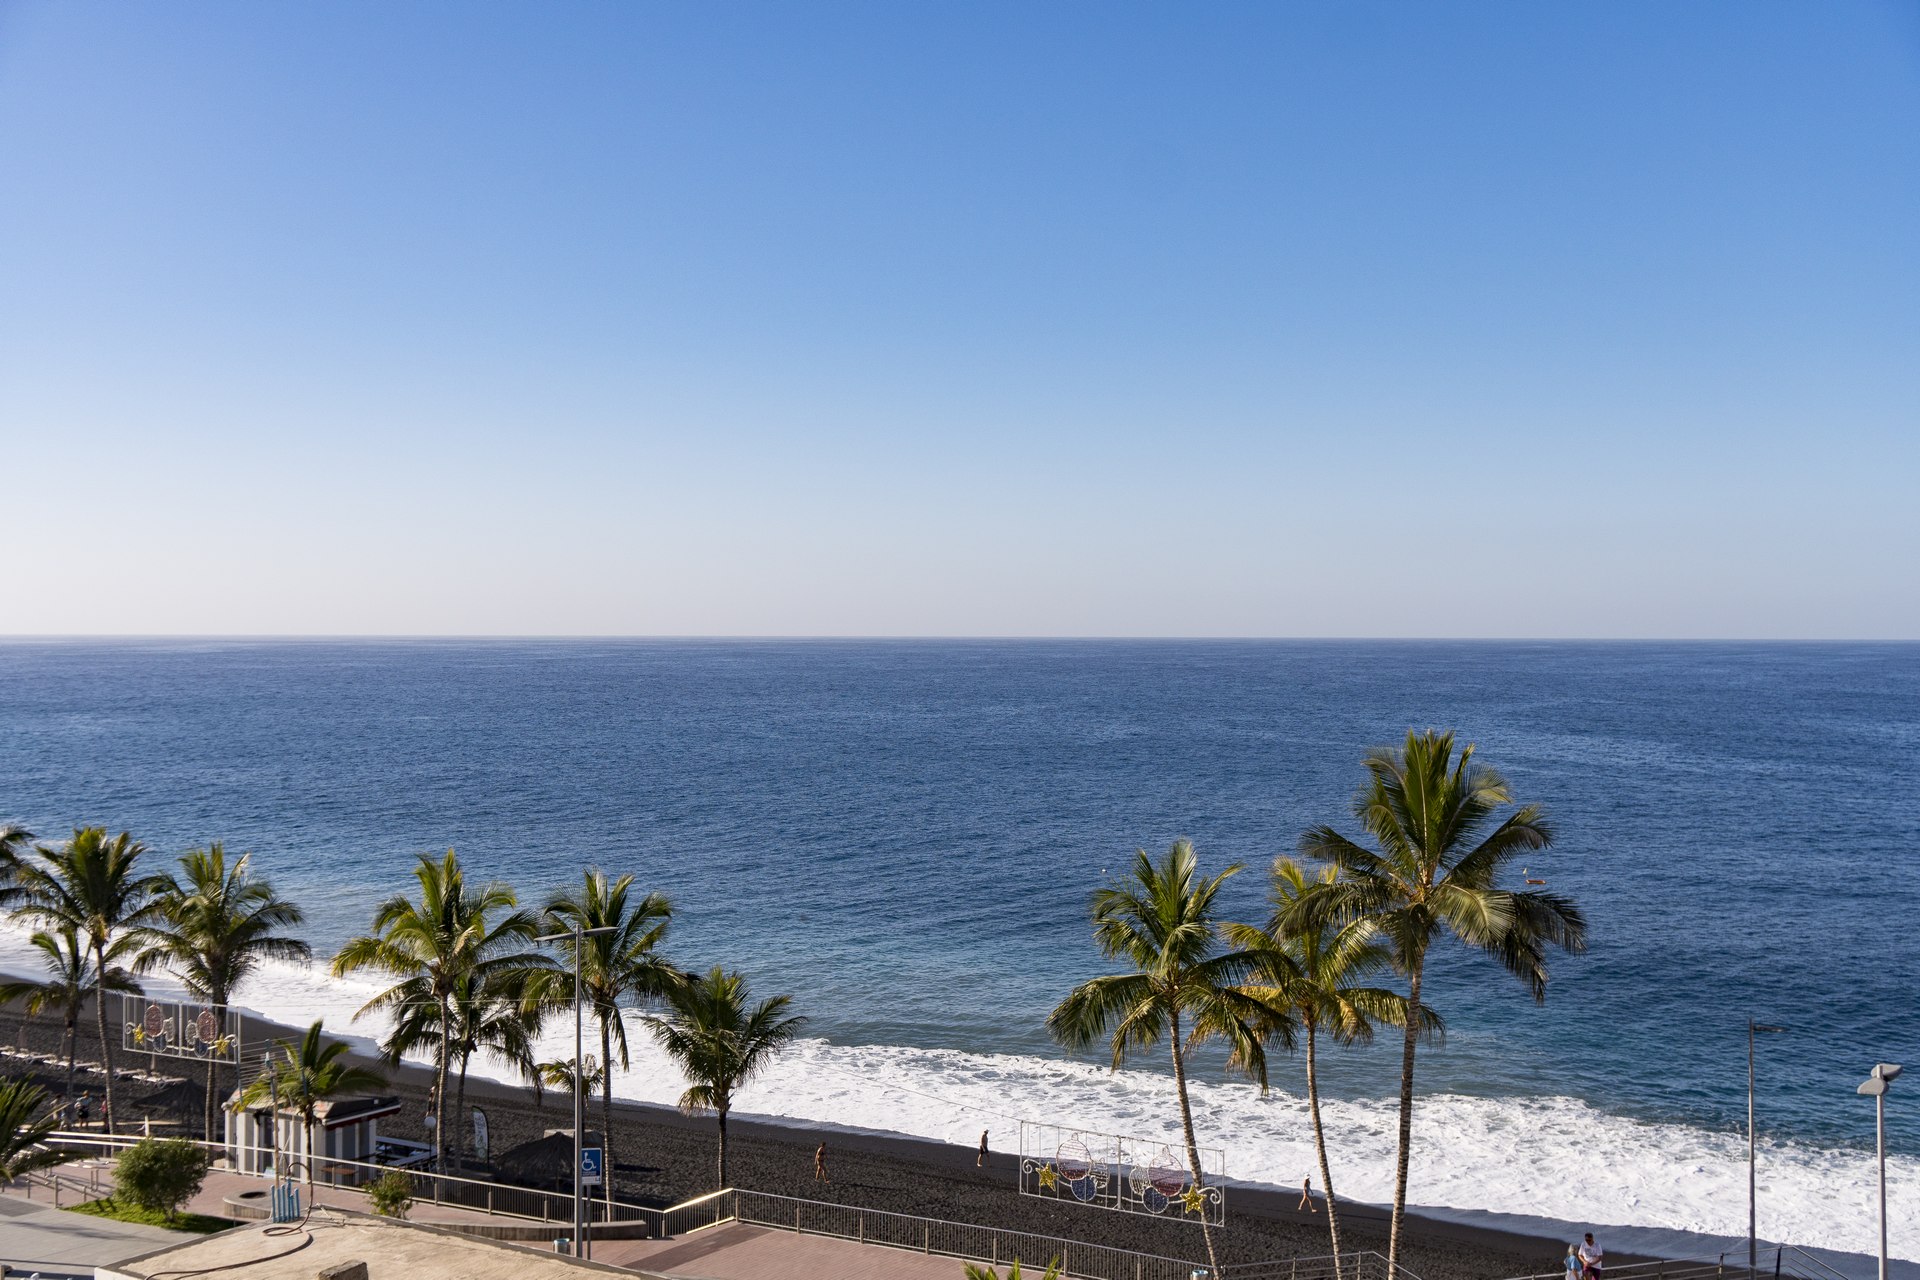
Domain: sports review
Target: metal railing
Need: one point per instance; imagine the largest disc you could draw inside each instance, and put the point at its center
(1787, 1263)
(1362, 1264)
(990, 1245)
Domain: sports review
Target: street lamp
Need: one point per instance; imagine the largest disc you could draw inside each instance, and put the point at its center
(1876, 1088)
(576, 936)
(1753, 1231)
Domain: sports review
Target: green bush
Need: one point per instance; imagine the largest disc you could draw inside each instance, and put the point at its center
(160, 1174)
(392, 1194)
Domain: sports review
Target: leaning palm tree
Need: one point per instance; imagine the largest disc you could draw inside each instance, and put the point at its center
(501, 1020)
(220, 923)
(303, 1076)
(25, 1122)
(14, 841)
(1435, 873)
(1319, 976)
(561, 1075)
(70, 977)
(452, 936)
(720, 1042)
(1182, 985)
(93, 885)
(616, 967)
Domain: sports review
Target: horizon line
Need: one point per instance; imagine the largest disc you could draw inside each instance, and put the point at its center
(906, 637)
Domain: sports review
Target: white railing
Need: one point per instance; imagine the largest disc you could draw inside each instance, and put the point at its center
(1783, 1261)
(1364, 1264)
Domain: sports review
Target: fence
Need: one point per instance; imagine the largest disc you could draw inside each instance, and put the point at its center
(1785, 1263)
(1359, 1265)
(992, 1245)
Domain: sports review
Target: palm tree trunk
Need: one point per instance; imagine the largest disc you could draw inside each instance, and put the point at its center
(73, 1052)
(1193, 1148)
(1320, 1145)
(309, 1119)
(606, 1109)
(461, 1121)
(723, 1150)
(1406, 1116)
(440, 1092)
(106, 1045)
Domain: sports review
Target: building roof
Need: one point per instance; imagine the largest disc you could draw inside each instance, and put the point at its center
(334, 1112)
(392, 1251)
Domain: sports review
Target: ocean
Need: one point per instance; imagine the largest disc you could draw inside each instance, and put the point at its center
(904, 834)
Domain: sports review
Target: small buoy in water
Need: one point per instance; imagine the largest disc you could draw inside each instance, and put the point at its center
(1530, 880)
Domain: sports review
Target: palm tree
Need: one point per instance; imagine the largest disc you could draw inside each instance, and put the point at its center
(14, 840)
(560, 1075)
(501, 1020)
(220, 923)
(305, 1075)
(25, 1122)
(621, 965)
(70, 977)
(1318, 975)
(720, 1042)
(974, 1271)
(452, 936)
(92, 885)
(1182, 986)
(1435, 873)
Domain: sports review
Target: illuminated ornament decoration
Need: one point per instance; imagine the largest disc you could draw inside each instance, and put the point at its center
(1108, 1171)
(1194, 1201)
(1049, 1180)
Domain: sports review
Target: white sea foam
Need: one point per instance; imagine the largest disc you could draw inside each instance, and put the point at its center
(1545, 1165)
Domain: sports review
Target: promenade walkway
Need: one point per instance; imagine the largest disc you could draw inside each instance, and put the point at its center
(731, 1251)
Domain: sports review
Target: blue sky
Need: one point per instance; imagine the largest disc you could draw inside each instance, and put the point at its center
(1094, 319)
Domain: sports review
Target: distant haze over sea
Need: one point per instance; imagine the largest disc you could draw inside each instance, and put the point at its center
(904, 834)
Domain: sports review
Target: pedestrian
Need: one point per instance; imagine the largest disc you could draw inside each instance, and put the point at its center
(85, 1109)
(1592, 1258)
(1306, 1197)
(981, 1161)
(820, 1163)
(1573, 1262)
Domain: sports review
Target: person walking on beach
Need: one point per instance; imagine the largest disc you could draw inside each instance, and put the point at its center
(1591, 1258)
(1306, 1197)
(981, 1161)
(820, 1163)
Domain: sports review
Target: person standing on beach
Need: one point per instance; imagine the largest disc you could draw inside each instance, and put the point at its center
(1306, 1197)
(982, 1160)
(1591, 1256)
(820, 1163)
(1573, 1262)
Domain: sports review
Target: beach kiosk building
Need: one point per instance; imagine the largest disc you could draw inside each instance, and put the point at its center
(343, 1129)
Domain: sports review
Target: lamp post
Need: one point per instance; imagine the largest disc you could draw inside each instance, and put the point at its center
(1876, 1088)
(577, 936)
(1753, 1221)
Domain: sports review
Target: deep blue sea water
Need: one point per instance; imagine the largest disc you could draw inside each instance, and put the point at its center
(904, 834)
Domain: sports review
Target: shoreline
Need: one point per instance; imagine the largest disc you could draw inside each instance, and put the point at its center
(662, 1156)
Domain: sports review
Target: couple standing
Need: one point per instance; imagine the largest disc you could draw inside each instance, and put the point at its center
(1584, 1261)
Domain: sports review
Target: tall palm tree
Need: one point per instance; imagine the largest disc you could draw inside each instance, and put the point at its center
(92, 884)
(219, 924)
(1319, 975)
(1435, 873)
(1181, 986)
(25, 1122)
(615, 967)
(721, 1042)
(452, 936)
(502, 1020)
(303, 1076)
(70, 977)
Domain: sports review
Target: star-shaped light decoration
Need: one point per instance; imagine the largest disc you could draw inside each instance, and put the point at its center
(1049, 1180)
(1193, 1200)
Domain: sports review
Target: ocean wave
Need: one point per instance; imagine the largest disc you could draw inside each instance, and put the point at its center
(1545, 1164)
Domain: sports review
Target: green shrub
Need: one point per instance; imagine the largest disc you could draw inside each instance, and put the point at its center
(392, 1194)
(160, 1174)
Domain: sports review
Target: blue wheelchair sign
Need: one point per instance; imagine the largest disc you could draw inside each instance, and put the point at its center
(590, 1165)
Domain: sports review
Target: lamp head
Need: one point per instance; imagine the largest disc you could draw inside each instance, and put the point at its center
(1886, 1071)
(1873, 1088)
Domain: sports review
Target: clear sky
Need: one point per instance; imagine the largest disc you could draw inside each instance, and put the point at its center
(961, 319)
